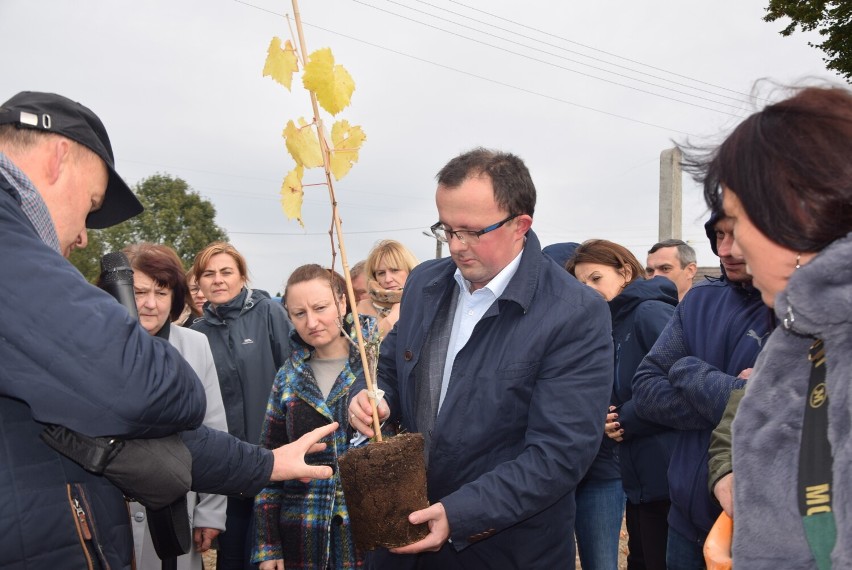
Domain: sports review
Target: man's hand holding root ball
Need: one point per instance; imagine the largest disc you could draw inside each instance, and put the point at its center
(361, 419)
(439, 530)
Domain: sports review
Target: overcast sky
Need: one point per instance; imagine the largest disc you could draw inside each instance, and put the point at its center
(587, 93)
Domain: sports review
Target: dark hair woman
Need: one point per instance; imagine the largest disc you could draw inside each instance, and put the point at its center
(640, 310)
(306, 525)
(784, 176)
(249, 336)
(160, 290)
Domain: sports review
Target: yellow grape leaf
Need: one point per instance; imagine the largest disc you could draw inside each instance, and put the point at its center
(281, 63)
(331, 83)
(347, 142)
(302, 144)
(292, 194)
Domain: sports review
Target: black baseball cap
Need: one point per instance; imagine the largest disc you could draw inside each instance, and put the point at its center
(53, 113)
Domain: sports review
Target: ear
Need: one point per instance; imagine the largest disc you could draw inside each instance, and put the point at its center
(523, 223)
(626, 272)
(58, 158)
(691, 270)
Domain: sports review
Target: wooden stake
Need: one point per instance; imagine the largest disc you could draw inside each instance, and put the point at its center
(368, 376)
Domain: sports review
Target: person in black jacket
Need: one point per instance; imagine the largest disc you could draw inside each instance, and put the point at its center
(640, 310)
(72, 356)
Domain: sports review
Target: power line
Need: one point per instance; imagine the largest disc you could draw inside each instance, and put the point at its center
(551, 54)
(475, 76)
(325, 233)
(229, 192)
(738, 99)
(599, 50)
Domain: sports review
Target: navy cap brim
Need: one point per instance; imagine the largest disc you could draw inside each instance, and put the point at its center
(120, 204)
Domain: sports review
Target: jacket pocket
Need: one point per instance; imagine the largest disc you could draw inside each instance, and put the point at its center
(81, 510)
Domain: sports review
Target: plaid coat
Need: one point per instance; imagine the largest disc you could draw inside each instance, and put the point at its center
(307, 524)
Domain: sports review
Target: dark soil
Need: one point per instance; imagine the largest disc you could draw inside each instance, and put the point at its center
(383, 483)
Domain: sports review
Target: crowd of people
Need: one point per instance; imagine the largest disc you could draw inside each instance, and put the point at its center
(559, 390)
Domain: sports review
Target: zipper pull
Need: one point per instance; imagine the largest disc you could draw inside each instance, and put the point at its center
(84, 521)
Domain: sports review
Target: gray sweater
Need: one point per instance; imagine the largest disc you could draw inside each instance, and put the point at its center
(768, 530)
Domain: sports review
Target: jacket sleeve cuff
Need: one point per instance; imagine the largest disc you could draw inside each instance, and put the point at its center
(210, 512)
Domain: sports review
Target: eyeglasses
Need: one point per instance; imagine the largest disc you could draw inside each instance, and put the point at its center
(468, 237)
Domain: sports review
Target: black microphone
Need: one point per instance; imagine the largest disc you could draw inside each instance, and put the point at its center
(117, 280)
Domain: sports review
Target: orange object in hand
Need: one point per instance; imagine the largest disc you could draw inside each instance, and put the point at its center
(717, 547)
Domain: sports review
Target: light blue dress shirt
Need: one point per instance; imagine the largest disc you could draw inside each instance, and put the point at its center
(469, 310)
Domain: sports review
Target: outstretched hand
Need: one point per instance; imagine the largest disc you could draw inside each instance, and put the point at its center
(290, 458)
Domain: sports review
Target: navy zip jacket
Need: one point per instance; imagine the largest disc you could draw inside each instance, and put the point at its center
(71, 355)
(522, 418)
(639, 315)
(685, 380)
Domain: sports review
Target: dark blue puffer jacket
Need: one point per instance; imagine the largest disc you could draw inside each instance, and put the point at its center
(639, 315)
(71, 355)
(685, 380)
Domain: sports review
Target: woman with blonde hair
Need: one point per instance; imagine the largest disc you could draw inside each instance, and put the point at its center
(387, 268)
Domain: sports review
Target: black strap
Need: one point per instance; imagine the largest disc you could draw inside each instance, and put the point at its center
(815, 463)
(170, 532)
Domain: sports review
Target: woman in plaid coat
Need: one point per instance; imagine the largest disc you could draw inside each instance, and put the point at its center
(306, 525)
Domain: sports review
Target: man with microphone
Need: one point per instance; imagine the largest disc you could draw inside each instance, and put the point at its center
(71, 356)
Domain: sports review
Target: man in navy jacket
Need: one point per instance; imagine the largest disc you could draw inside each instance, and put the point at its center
(684, 382)
(503, 362)
(72, 356)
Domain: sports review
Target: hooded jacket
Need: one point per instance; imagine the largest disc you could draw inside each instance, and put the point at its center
(639, 315)
(249, 337)
(685, 380)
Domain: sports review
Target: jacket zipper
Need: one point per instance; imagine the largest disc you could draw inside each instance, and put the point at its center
(86, 510)
(84, 522)
(83, 531)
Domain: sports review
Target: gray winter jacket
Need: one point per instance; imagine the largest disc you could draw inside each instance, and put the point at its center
(767, 429)
(205, 510)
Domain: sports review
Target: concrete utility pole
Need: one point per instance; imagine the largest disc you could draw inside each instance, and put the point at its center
(671, 195)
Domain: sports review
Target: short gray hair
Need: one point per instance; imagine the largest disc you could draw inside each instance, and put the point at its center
(685, 253)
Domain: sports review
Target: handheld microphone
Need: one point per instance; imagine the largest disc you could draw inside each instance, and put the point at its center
(117, 280)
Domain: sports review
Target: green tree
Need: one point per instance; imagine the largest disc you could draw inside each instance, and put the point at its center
(175, 215)
(833, 21)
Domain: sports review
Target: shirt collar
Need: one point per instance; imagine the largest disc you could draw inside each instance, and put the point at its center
(499, 282)
(31, 202)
